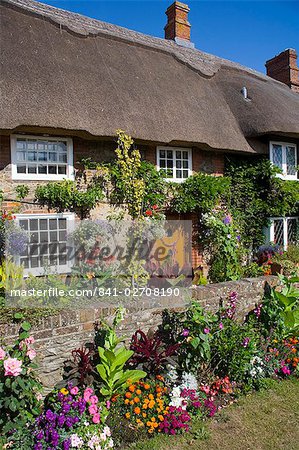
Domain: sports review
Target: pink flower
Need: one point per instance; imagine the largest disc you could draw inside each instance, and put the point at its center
(2, 354)
(12, 367)
(108, 404)
(74, 390)
(221, 326)
(93, 399)
(87, 394)
(96, 418)
(29, 340)
(206, 330)
(93, 409)
(285, 370)
(31, 354)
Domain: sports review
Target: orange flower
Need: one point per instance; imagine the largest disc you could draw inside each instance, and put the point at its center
(128, 394)
(136, 400)
(151, 397)
(137, 410)
(132, 388)
(138, 392)
(147, 387)
(160, 417)
(144, 415)
(128, 415)
(160, 378)
(127, 401)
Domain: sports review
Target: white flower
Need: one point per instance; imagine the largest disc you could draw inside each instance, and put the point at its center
(107, 431)
(76, 441)
(189, 382)
(110, 443)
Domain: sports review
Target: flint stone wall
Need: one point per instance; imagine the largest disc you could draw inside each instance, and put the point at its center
(57, 336)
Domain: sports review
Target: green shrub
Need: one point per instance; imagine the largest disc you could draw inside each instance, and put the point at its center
(19, 387)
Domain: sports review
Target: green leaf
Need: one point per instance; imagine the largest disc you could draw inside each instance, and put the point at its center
(26, 326)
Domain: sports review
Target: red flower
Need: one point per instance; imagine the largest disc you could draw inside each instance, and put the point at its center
(155, 207)
(148, 212)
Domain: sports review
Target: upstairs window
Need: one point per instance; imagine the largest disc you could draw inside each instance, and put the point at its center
(284, 156)
(176, 162)
(35, 158)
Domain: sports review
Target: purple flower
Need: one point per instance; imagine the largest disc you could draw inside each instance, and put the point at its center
(238, 238)
(38, 446)
(66, 444)
(246, 342)
(227, 220)
(206, 330)
(185, 332)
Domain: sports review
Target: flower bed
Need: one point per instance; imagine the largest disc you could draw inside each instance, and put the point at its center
(194, 364)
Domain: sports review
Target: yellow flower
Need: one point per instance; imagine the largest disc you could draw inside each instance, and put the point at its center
(64, 391)
(128, 415)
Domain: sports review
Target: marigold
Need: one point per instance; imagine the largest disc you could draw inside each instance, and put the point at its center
(144, 415)
(138, 392)
(127, 401)
(137, 410)
(64, 391)
(136, 400)
(160, 417)
(128, 415)
(147, 387)
(128, 394)
(132, 388)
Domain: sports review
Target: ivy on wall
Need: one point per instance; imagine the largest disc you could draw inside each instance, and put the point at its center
(256, 193)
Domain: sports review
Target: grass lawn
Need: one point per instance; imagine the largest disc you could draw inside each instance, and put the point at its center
(266, 420)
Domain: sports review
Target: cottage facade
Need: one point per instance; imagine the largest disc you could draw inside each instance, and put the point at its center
(68, 82)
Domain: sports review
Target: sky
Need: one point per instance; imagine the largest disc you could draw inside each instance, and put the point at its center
(248, 32)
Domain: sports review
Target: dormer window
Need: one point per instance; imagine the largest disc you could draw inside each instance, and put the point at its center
(284, 156)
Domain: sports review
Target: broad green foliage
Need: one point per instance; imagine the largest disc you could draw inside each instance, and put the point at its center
(113, 358)
(66, 196)
(200, 193)
(288, 298)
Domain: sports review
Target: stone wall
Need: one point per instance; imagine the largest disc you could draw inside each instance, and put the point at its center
(58, 335)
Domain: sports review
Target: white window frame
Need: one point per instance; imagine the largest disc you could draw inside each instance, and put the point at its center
(58, 269)
(284, 145)
(70, 175)
(270, 230)
(174, 149)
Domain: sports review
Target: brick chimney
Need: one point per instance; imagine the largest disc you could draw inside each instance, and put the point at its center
(283, 67)
(178, 28)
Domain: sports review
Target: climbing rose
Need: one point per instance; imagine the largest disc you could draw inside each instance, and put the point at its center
(31, 354)
(12, 367)
(2, 354)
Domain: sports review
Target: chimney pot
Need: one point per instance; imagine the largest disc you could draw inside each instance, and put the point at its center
(283, 67)
(178, 28)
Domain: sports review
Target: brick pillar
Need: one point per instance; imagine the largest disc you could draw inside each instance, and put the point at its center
(283, 67)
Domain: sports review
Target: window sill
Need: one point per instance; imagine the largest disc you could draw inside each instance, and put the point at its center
(287, 177)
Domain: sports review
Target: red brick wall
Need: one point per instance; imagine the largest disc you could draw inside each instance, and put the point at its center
(4, 151)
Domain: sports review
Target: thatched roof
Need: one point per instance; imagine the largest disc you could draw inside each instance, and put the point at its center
(63, 70)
